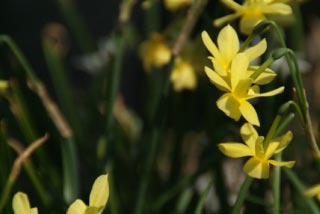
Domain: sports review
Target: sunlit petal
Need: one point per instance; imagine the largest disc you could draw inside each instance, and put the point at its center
(228, 43)
(271, 148)
(247, 23)
(239, 66)
(77, 207)
(21, 204)
(257, 50)
(230, 106)
(212, 48)
(288, 164)
(218, 81)
(100, 192)
(283, 140)
(218, 67)
(315, 190)
(242, 87)
(225, 19)
(278, 8)
(232, 4)
(264, 78)
(268, 94)
(256, 169)
(249, 113)
(235, 150)
(249, 135)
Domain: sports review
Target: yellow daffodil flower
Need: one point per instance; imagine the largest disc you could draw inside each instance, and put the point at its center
(313, 191)
(183, 76)
(228, 47)
(251, 12)
(239, 90)
(154, 52)
(98, 198)
(21, 204)
(258, 166)
(174, 5)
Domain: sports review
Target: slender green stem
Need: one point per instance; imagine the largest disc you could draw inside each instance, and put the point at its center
(284, 124)
(272, 130)
(262, 68)
(242, 195)
(203, 198)
(246, 43)
(276, 185)
(298, 184)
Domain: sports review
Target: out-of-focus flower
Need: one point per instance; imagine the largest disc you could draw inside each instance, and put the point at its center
(174, 5)
(155, 52)
(228, 46)
(258, 166)
(313, 191)
(4, 85)
(98, 198)
(21, 204)
(251, 12)
(239, 90)
(183, 75)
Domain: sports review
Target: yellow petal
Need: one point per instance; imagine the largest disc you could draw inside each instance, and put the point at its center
(249, 113)
(228, 43)
(230, 106)
(218, 67)
(100, 192)
(235, 150)
(77, 207)
(94, 210)
(21, 205)
(247, 23)
(242, 87)
(283, 140)
(288, 164)
(315, 190)
(256, 169)
(277, 8)
(218, 81)
(249, 135)
(232, 4)
(221, 21)
(256, 50)
(267, 94)
(271, 148)
(34, 211)
(264, 78)
(212, 48)
(239, 68)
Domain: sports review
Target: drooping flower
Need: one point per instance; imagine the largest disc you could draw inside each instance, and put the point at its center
(239, 90)
(174, 5)
(251, 12)
(21, 204)
(228, 47)
(97, 201)
(258, 165)
(154, 52)
(313, 191)
(183, 75)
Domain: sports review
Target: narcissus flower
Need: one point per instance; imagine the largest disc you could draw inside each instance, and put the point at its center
(313, 191)
(174, 5)
(239, 90)
(228, 47)
(183, 75)
(251, 12)
(154, 52)
(21, 204)
(98, 198)
(258, 166)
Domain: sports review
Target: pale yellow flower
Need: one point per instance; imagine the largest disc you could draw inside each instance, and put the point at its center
(154, 52)
(98, 198)
(313, 191)
(174, 5)
(228, 47)
(183, 76)
(21, 204)
(251, 12)
(239, 90)
(258, 166)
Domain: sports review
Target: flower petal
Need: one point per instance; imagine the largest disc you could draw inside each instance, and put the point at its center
(77, 207)
(267, 94)
(256, 51)
(235, 150)
(217, 80)
(212, 48)
(228, 43)
(247, 23)
(264, 78)
(221, 21)
(288, 164)
(249, 135)
(277, 8)
(315, 190)
(21, 204)
(232, 4)
(100, 192)
(230, 106)
(256, 169)
(239, 68)
(249, 113)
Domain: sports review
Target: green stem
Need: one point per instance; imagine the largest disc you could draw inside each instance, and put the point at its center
(262, 68)
(203, 198)
(272, 130)
(242, 195)
(297, 183)
(246, 43)
(276, 185)
(284, 124)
